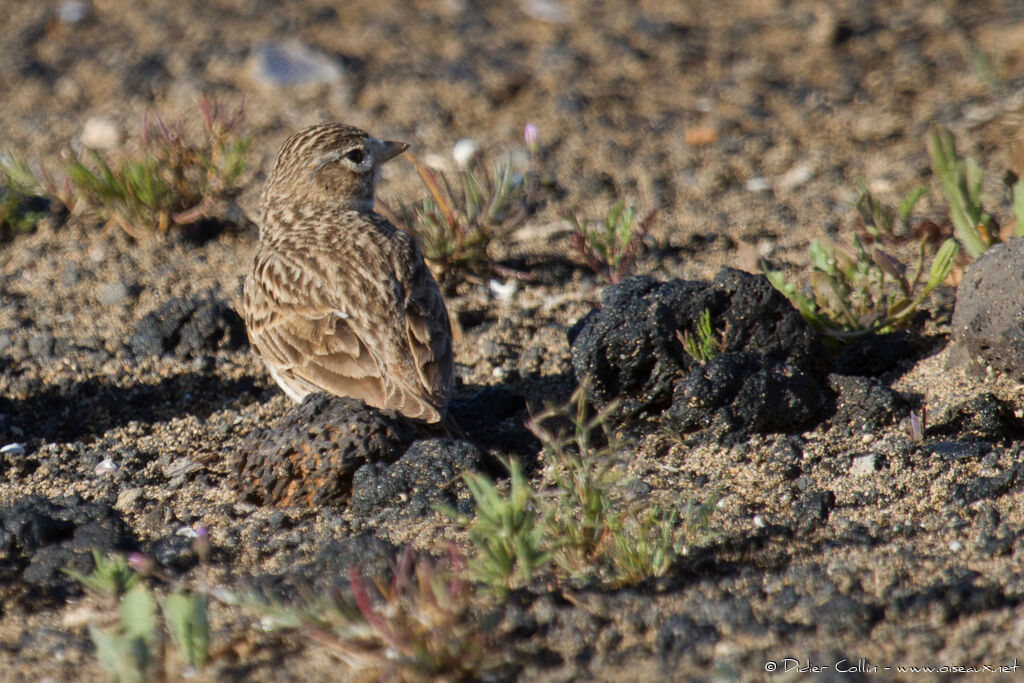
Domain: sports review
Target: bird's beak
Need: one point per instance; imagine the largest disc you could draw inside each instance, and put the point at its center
(389, 149)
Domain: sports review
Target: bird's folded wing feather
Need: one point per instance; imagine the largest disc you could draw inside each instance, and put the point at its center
(428, 334)
(298, 327)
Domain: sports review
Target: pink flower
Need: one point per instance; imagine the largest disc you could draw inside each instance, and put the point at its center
(143, 564)
(532, 136)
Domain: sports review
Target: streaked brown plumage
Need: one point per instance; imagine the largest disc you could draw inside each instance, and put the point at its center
(338, 299)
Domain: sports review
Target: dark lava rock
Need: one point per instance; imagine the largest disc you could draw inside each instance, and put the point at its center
(174, 552)
(188, 327)
(422, 476)
(486, 408)
(864, 404)
(745, 391)
(846, 614)
(680, 634)
(765, 379)
(981, 488)
(952, 451)
(494, 417)
(311, 455)
(39, 538)
(875, 354)
(987, 324)
(813, 509)
(964, 592)
(983, 417)
(372, 556)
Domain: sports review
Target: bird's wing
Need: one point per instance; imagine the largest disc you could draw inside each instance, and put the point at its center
(297, 327)
(428, 333)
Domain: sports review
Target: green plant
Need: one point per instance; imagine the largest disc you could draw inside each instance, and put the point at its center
(422, 623)
(584, 469)
(705, 344)
(175, 179)
(112, 577)
(581, 518)
(125, 652)
(592, 529)
(21, 203)
(881, 220)
(646, 544)
(610, 246)
(185, 616)
(863, 290)
(456, 225)
(1014, 180)
(128, 649)
(505, 530)
(961, 184)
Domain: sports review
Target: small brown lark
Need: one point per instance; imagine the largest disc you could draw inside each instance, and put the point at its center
(339, 300)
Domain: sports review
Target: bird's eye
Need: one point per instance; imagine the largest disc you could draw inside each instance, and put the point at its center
(355, 156)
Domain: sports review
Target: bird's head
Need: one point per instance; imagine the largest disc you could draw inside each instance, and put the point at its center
(330, 163)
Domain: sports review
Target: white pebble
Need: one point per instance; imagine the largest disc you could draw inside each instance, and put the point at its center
(101, 133)
(956, 546)
(463, 151)
(108, 466)
(503, 291)
(758, 184)
(72, 12)
(293, 63)
(796, 176)
(546, 10)
(13, 449)
(759, 522)
(434, 160)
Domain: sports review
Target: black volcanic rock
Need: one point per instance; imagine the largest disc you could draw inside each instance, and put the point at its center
(766, 378)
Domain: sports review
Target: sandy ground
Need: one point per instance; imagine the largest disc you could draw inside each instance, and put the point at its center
(746, 125)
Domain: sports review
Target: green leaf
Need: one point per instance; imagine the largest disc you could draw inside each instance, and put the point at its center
(124, 658)
(186, 620)
(821, 257)
(1018, 206)
(111, 577)
(138, 614)
(906, 206)
(961, 184)
(942, 264)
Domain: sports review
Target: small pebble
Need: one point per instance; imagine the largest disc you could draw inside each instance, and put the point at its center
(128, 499)
(73, 12)
(758, 184)
(956, 546)
(13, 449)
(70, 275)
(112, 293)
(503, 291)
(292, 63)
(463, 151)
(41, 345)
(796, 176)
(550, 11)
(108, 466)
(863, 465)
(101, 133)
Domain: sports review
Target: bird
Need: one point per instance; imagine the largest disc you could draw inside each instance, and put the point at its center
(338, 299)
